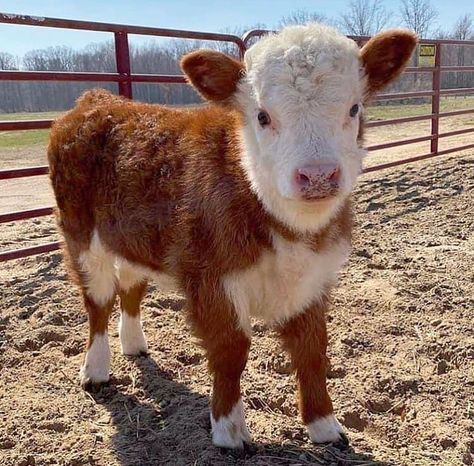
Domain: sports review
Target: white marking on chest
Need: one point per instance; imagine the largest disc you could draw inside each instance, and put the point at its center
(285, 281)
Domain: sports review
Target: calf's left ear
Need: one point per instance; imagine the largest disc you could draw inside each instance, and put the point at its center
(213, 74)
(385, 56)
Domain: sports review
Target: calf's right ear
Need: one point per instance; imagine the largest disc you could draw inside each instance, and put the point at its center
(213, 74)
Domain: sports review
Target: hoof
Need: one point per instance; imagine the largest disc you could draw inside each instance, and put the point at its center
(92, 381)
(327, 430)
(248, 450)
(140, 354)
(231, 431)
(132, 339)
(96, 367)
(343, 442)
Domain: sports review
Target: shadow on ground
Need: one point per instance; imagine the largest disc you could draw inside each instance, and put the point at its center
(168, 424)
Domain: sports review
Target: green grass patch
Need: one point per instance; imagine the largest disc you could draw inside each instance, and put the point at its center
(25, 138)
(447, 104)
(18, 139)
(29, 116)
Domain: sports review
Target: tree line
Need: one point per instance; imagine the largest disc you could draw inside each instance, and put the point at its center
(362, 17)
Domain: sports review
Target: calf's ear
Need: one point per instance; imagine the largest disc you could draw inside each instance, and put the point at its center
(385, 56)
(213, 74)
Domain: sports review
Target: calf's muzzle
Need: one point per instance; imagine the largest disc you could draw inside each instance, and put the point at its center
(318, 180)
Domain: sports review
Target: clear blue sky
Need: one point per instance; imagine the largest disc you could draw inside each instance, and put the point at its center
(202, 15)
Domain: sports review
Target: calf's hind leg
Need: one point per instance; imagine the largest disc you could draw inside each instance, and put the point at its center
(96, 366)
(132, 339)
(93, 268)
(132, 286)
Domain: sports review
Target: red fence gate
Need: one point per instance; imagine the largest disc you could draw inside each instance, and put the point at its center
(124, 78)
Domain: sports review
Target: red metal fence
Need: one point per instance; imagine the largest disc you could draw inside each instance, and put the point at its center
(124, 78)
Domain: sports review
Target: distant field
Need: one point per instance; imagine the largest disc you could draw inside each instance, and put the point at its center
(29, 116)
(17, 139)
(447, 104)
(21, 139)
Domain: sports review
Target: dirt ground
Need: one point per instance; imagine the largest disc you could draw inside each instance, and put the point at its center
(402, 351)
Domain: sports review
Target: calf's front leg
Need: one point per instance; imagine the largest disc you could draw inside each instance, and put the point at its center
(305, 338)
(226, 344)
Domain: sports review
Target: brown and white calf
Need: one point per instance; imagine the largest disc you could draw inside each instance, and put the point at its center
(242, 205)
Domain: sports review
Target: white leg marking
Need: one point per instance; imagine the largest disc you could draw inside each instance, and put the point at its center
(128, 275)
(96, 366)
(231, 431)
(99, 267)
(325, 429)
(131, 334)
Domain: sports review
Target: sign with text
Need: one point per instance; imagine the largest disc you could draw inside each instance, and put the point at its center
(426, 55)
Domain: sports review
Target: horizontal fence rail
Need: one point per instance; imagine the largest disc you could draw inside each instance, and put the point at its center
(124, 78)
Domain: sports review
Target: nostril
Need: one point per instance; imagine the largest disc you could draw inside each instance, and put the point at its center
(303, 179)
(334, 176)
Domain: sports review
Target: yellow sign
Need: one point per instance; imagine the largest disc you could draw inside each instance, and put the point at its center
(426, 55)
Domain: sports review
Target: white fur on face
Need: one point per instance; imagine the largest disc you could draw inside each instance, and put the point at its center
(231, 431)
(96, 367)
(325, 429)
(284, 282)
(307, 78)
(132, 339)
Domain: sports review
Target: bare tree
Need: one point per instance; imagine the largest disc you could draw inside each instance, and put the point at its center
(8, 61)
(464, 27)
(463, 30)
(364, 17)
(418, 15)
(50, 59)
(441, 33)
(230, 48)
(302, 17)
(163, 57)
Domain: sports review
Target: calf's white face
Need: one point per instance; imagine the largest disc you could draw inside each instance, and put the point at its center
(301, 94)
(302, 99)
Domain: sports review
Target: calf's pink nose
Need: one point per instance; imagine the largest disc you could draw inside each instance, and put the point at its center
(318, 180)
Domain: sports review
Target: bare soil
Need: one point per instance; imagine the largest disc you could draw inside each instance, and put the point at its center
(402, 351)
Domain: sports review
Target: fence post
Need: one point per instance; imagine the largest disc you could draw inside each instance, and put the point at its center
(122, 58)
(435, 100)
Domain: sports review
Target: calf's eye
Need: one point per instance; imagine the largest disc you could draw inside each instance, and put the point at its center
(263, 118)
(354, 110)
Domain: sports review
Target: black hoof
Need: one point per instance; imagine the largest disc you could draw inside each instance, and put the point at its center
(94, 387)
(343, 442)
(237, 453)
(249, 449)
